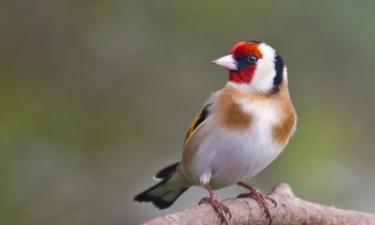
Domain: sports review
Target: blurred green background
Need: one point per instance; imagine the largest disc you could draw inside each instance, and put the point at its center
(96, 97)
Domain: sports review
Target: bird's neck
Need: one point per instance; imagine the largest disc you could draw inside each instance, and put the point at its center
(250, 89)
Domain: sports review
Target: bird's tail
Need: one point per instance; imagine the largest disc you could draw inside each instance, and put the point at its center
(165, 193)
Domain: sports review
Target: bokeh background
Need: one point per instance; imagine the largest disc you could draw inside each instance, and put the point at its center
(96, 96)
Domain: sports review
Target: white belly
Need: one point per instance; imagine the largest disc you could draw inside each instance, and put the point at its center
(226, 158)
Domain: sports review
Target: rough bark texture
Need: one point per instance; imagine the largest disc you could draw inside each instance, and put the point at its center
(289, 211)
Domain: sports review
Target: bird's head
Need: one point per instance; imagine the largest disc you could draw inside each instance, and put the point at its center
(254, 66)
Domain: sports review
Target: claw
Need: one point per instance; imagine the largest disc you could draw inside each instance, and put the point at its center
(259, 197)
(271, 200)
(220, 209)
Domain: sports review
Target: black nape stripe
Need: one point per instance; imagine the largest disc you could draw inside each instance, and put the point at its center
(279, 67)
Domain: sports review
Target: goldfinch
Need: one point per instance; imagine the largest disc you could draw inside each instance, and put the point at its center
(241, 129)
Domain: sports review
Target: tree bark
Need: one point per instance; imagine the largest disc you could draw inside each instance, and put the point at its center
(290, 210)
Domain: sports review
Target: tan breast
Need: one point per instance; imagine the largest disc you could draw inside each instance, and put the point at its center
(229, 112)
(232, 116)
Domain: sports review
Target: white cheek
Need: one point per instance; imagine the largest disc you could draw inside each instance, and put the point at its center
(265, 71)
(263, 76)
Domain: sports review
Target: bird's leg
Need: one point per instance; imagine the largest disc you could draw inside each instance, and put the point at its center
(259, 197)
(218, 206)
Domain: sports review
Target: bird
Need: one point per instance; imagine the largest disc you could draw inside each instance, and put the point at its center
(240, 130)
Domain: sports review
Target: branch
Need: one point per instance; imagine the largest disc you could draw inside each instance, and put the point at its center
(289, 211)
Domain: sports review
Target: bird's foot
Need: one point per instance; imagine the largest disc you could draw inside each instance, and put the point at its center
(220, 209)
(259, 197)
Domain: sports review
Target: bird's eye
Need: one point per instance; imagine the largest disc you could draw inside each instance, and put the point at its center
(252, 59)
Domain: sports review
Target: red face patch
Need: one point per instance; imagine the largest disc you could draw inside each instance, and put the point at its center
(245, 73)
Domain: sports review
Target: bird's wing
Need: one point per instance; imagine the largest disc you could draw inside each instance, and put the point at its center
(198, 120)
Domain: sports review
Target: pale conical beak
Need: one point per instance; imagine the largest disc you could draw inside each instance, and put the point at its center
(227, 62)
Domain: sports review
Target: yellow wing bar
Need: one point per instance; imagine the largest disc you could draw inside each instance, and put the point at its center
(197, 121)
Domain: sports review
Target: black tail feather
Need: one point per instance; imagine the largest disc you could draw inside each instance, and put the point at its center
(164, 193)
(163, 200)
